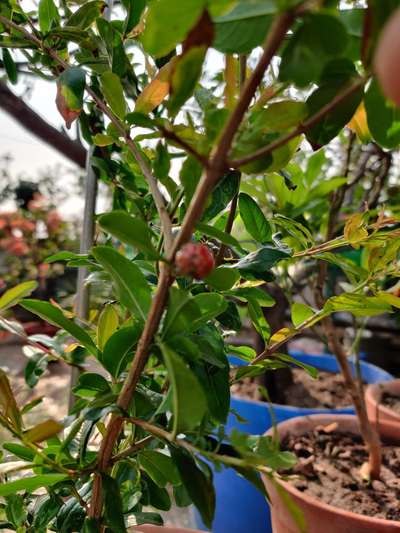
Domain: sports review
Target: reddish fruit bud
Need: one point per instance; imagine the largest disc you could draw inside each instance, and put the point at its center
(194, 260)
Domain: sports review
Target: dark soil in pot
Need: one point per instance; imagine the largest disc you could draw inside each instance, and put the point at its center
(326, 392)
(391, 401)
(329, 469)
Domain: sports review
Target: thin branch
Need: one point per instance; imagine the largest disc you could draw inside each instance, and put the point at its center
(218, 162)
(302, 128)
(172, 136)
(139, 445)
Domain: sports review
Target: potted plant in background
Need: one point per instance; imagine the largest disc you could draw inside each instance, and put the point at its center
(154, 409)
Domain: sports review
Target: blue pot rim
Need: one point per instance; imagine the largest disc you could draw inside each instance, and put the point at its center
(304, 411)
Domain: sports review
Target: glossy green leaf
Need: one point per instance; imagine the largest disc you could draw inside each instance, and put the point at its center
(190, 175)
(185, 75)
(199, 487)
(114, 93)
(383, 117)
(262, 260)
(15, 294)
(106, 325)
(86, 14)
(100, 139)
(131, 285)
(258, 319)
(134, 9)
(118, 351)
(159, 467)
(244, 27)
(30, 484)
(22, 452)
(72, 83)
(300, 312)
(55, 316)
(48, 15)
(35, 367)
(222, 194)
(113, 504)
(279, 116)
(222, 278)
(300, 64)
(167, 24)
(254, 219)
(16, 511)
(188, 399)
(46, 511)
(357, 304)
(129, 230)
(331, 125)
(10, 66)
(252, 293)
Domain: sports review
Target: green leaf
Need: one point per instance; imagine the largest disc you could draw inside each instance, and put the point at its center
(134, 9)
(168, 22)
(30, 484)
(43, 431)
(108, 322)
(199, 487)
(48, 15)
(383, 117)
(114, 93)
(156, 91)
(10, 66)
(113, 504)
(333, 122)
(86, 14)
(16, 511)
(159, 467)
(300, 313)
(244, 27)
(46, 511)
(221, 236)
(55, 316)
(70, 90)
(252, 293)
(279, 116)
(222, 278)
(131, 285)
(100, 139)
(254, 219)
(35, 368)
(185, 75)
(210, 305)
(118, 351)
(190, 175)
(129, 230)
(262, 260)
(357, 304)
(300, 64)
(188, 399)
(223, 193)
(258, 319)
(22, 452)
(14, 295)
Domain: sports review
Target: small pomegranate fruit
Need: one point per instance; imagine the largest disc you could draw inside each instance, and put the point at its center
(195, 260)
(386, 60)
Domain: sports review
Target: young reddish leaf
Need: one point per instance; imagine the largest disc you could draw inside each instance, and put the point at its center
(70, 89)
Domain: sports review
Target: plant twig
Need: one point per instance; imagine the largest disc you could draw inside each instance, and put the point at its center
(302, 128)
(172, 136)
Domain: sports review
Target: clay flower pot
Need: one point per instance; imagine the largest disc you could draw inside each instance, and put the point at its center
(319, 516)
(159, 529)
(387, 420)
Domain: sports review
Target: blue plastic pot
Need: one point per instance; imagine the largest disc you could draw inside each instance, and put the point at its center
(239, 504)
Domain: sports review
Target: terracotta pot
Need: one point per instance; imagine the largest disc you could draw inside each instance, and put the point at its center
(160, 529)
(388, 421)
(319, 516)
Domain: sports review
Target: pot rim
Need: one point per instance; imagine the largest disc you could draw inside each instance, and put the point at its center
(308, 411)
(314, 502)
(371, 394)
